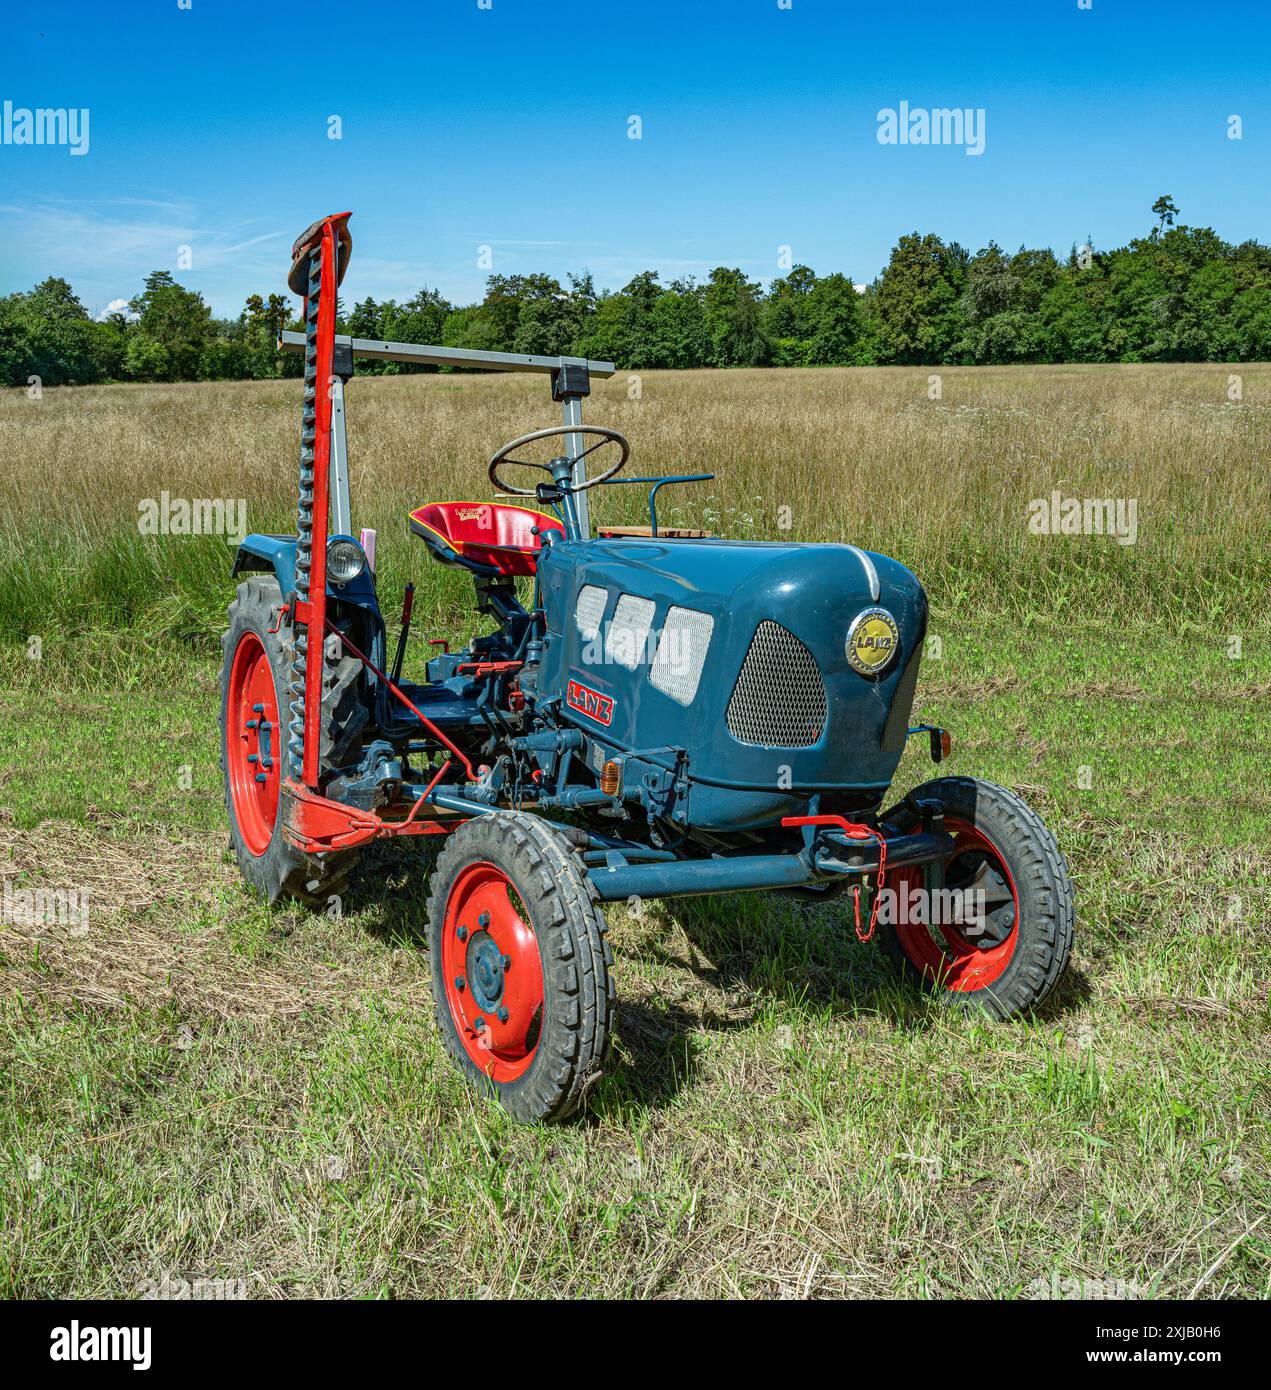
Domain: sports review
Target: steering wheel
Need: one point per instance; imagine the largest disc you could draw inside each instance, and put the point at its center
(607, 436)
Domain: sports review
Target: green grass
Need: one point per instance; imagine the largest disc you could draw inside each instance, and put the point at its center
(213, 1090)
(202, 1088)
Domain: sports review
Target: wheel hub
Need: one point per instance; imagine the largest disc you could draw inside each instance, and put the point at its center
(993, 893)
(485, 970)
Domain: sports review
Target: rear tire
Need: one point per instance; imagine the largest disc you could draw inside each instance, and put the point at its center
(1003, 970)
(256, 671)
(521, 970)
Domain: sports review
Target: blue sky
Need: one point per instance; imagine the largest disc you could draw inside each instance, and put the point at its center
(507, 127)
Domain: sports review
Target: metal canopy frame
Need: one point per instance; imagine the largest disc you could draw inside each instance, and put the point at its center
(429, 355)
(571, 378)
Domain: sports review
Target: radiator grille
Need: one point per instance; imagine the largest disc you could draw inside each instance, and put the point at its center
(779, 698)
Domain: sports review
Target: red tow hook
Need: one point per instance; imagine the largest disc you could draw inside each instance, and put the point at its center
(854, 831)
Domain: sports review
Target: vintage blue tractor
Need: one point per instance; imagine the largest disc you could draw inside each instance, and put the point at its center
(655, 712)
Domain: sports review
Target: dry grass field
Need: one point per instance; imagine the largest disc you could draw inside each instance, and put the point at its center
(849, 454)
(199, 1088)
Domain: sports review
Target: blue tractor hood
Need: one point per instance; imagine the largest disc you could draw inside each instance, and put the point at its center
(735, 652)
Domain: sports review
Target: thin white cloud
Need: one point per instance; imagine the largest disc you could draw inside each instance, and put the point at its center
(85, 243)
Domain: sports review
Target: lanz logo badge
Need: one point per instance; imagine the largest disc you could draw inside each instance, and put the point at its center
(872, 641)
(590, 702)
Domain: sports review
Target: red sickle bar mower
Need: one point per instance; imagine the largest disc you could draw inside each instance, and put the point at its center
(671, 713)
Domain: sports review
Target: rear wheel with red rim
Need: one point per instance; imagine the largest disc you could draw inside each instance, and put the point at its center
(521, 969)
(999, 937)
(253, 735)
(254, 714)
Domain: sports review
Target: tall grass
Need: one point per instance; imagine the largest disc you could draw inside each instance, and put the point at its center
(862, 455)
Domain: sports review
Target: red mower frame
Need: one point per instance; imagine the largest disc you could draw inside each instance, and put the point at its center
(311, 821)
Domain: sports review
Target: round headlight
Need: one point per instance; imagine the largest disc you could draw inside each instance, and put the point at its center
(345, 561)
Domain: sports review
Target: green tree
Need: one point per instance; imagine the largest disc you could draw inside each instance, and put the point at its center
(1164, 210)
(681, 339)
(553, 320)
(365, 320)
(731, 305)
(174, 320)
(259, 325)
(471, 327)
(621, 329)
(1000, 305)
(420, 320)
(918, 320)
(51, 336)
(787, 311)
(835, 321)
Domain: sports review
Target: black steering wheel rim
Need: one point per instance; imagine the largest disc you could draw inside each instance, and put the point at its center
(606, 434)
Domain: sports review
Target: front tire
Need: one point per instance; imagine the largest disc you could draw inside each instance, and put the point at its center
(1010, 961)
(521, 970)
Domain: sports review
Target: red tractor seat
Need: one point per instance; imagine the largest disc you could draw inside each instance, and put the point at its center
(490, 535)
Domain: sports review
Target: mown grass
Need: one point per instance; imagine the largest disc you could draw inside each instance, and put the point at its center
(203, 1088)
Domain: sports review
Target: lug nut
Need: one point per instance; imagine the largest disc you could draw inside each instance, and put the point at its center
(503, 1015)
(483, 920)
(505, 962)
(461, 933)
(479, 1024)
(460, 983)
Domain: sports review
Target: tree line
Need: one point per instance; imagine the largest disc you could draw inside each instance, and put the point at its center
(1176, 294)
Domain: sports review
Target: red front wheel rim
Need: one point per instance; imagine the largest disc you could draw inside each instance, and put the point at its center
(957, 957)
(493, 973)
(253, 744)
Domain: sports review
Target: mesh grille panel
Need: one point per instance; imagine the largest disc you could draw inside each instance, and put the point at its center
(629, 630)
(779, 698)
(589, 609)
(681, 654)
